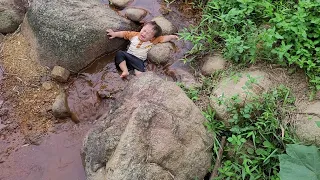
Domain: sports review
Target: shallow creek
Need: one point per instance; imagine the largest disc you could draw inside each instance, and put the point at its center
(58, 155)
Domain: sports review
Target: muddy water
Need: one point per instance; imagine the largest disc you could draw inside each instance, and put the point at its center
(90, 94)
(57, 158)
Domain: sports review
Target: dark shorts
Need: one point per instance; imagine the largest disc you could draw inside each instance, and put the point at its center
(132, 61)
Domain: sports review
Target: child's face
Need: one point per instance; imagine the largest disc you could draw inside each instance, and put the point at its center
(146, 33)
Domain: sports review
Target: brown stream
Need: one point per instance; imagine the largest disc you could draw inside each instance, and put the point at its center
(58, 155)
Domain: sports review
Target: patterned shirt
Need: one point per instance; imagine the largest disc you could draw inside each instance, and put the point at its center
(139, 48)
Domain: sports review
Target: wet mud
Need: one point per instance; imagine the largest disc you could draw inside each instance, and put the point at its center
(56, 158)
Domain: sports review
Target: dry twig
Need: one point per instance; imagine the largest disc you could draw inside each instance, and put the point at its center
(218, 161)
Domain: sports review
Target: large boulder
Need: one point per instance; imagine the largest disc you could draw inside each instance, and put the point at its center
(11, 15)
(306, 124)
(244, 85)
(155, 132)
(72, 33)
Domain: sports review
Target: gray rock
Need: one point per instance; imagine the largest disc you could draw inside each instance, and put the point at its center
(186, 78)
(72, 33)
(306, 127)
(166, 26)
(60, 108)
(154, 132)
(60, 74)
(236, 85)
(120, 3)
(212, 63)
(161, 53)
(135, 14)
(11, 15)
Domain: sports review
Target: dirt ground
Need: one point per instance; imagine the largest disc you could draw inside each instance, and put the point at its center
(26, 103)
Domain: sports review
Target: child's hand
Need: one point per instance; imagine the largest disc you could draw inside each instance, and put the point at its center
(111, 33)
(174, 37)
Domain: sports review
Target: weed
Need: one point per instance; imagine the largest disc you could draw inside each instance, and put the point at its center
(254, 133)
(285, 32)
(192, 93)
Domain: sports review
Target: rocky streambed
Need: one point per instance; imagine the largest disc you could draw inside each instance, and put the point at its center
(137, 128)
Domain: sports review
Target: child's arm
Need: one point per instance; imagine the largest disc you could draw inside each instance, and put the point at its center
(112, 34)
(167, 38)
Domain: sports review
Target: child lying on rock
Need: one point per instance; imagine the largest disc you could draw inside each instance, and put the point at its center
(140, 43)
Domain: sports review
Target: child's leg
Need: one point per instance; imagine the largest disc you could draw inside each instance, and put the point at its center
(120, 61)
(124, 68)
(126, 62)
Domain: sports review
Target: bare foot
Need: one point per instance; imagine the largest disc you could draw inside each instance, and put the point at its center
(137, 73)
(124, 74)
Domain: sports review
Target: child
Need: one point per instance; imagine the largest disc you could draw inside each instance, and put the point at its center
(140, 43)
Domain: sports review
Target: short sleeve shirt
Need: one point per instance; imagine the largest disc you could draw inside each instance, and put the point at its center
(137, 47)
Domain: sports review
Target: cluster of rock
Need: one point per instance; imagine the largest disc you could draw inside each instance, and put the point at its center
(72, 34)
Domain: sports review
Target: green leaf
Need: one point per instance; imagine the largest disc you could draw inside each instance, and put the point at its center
(318, 124)
(250, 150)
(300, 162)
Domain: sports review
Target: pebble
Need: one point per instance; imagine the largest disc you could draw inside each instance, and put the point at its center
(47, 85)
(60, 74)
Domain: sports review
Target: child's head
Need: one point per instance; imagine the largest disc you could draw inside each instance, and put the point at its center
(149, 31)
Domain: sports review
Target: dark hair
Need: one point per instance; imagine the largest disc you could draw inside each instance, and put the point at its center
(157, 29)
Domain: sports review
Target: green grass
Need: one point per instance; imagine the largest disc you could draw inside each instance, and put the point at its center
(247, 31)
(254, 134)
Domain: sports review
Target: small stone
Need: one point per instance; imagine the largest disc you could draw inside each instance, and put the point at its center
(60, 74)
(59, 107)
(212, 64)
(161, 53)
(120, 3)
(47, 85)
(135, 14)
(166, 26)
